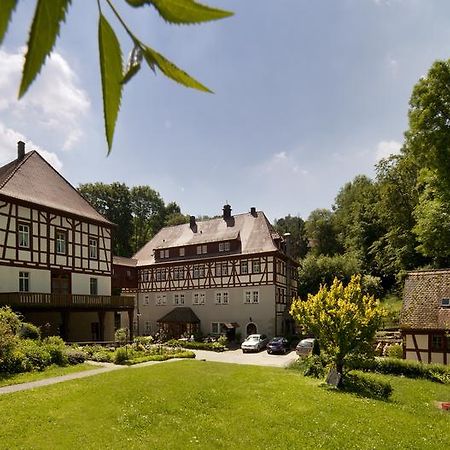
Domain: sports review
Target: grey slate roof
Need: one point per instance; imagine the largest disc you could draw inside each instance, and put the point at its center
(254, 231)
(122, 261)
(181, 314)
(34, 180)
(422, 297)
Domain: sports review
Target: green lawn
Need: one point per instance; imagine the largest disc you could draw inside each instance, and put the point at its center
(52, 371)
(195, 404)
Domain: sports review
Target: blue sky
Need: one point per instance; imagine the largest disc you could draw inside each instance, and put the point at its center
(308, 94)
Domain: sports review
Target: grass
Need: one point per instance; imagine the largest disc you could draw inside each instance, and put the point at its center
(52, 371)
(204, 405)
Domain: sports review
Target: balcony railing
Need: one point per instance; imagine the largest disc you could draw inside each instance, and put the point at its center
(67, 301)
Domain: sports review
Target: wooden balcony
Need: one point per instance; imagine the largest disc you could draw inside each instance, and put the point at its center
(73, 302)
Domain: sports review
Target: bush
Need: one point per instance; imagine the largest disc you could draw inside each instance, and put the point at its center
(57, 349)
(366, 386)
(395, 351)
(74, 356)
(121, 336)
(120, 356)
(312, 366)
(29, 331)
(410, 369)
(194, 345)
(11, 321)
(222, 340)
(36, 356)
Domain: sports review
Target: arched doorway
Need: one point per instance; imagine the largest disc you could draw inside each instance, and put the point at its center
(251, 328)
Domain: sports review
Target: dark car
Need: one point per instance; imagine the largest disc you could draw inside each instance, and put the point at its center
(278, 345)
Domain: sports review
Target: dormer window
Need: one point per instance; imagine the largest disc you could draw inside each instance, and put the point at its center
(445, 303)
(224, 246)
(164, 253)
(181, 251)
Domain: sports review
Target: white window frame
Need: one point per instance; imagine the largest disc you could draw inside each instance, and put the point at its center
(23, 230)
(221, 246)
(24, 281)
(161, 299)
(178, 299)
(204, 249)
(251, 297)
(198, 298)
(181, 251)
(93, 248)
(225, 269)
(222, 298)
(226, 246)
(218, 269)
(256, 266)
(218, 328)
(244, 264)
(93, 286)
(199, 249)
(61, 244)
(146, 300)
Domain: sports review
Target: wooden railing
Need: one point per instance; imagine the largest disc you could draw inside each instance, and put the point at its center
(69, 301)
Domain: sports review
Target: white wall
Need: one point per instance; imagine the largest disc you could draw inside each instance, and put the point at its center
(39, 279)
(81, 284)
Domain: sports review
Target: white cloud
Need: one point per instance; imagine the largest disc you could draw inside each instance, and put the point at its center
(53, 104)
(8, 148)
(385, 149)
(281, 164)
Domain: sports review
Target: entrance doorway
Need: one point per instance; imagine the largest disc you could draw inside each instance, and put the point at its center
(251, 328)
(61, 283)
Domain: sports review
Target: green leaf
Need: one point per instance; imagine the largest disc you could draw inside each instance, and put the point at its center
(170, 70)
(134, 64)
(184, 11)
(111, 74)
(44, 30)
(6, 10)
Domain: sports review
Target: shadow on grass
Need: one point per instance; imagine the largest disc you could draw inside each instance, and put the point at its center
(363, 386)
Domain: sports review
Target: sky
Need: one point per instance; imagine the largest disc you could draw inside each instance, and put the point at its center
(307, 95)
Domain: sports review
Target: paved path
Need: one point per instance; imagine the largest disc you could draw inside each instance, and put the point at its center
(231, 356)
(255, 359)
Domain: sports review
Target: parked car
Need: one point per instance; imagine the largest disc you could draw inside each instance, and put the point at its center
(278, 345)
(304, 347)
(254, 343)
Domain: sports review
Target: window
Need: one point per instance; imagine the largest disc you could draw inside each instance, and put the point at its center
(226, 246)
(218, 269)
(161, 299)
(256, 267)
(218, 328)
(199, 271)
(222, 298)
(160, 274)
(24, 282)
(225, 298)
(61, 242)
(251, 297)
(244, 267)
(148, 327)
(181, 251)
(164, 253)
(146, 301)
(437, 342)
(199, 249)
(178, 273)
(445, 303)
(93, 248)
(221, 247)
(218, 298)
(198, 298)
(145, 277)
(224, 268)
(24, 235)
(93, 286)
(178, 299)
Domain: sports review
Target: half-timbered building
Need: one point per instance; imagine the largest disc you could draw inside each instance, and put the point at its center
(227, 275)
(55, 253)
(425, 316)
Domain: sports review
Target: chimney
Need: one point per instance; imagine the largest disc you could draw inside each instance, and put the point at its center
(192, 221)
(20, 150)
(226, 212)
(253, 211)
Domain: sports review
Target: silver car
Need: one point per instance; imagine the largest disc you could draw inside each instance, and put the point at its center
(254, 343)
(304, 347)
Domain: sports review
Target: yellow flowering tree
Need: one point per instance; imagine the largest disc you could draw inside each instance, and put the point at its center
(343, 318)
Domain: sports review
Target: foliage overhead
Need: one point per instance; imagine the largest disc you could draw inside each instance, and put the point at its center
(343, 318)
(45, 29)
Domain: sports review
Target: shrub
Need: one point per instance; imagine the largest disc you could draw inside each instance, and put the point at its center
(57, 349)
(194, 345)
(29, 331)
(120, 356)
(121, 336)
(36, 356)
(222, 340)
(395, 351)
(10, 320)
(312, 366)
(74, 356)
(366, 386)
(410, 369)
